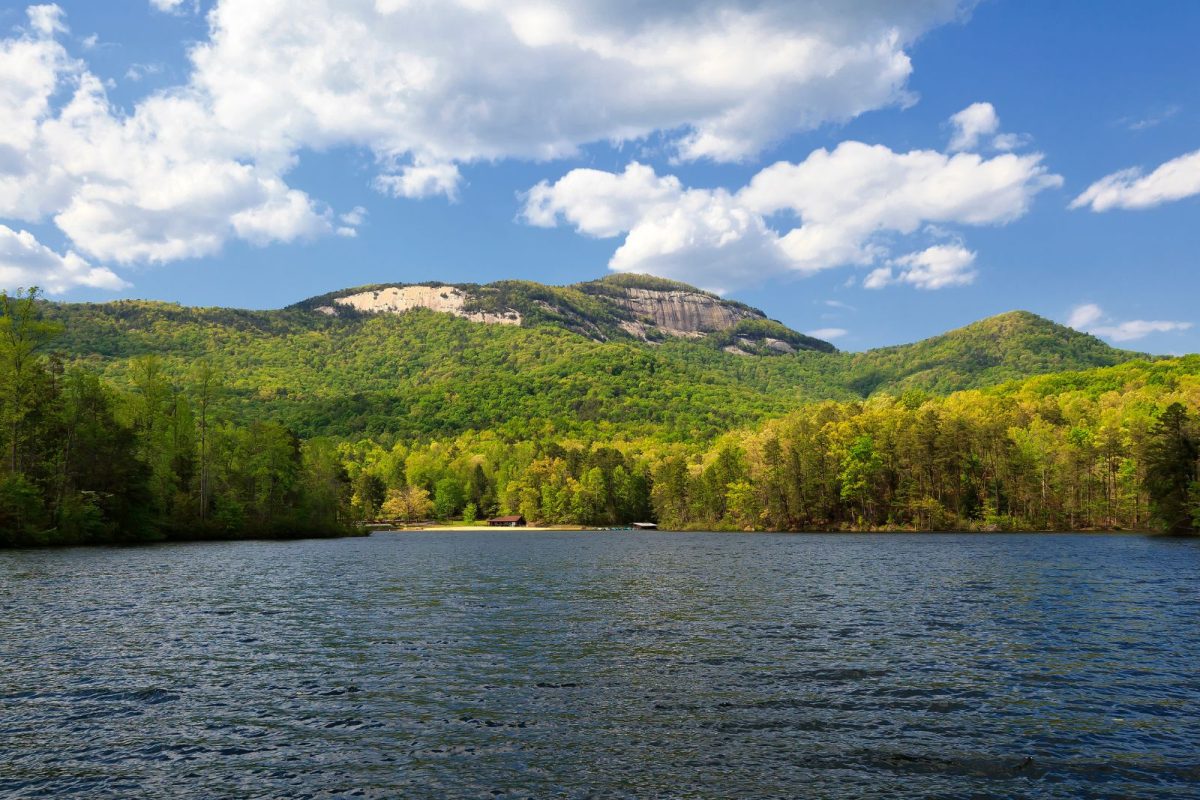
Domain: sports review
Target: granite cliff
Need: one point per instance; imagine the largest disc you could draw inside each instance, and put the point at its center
(615, 307)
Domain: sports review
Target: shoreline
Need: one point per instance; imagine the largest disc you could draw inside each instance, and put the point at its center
(875, 531)
(452, 528)
(470, 528)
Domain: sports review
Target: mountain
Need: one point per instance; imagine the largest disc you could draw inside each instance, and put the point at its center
(624, 356)
(1005, 347)
(617, 307)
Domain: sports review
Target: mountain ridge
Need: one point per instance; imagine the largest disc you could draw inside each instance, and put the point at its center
(422, 372)
(638, 307)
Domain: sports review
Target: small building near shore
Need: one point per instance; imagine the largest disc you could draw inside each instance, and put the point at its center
(644, 526)
(514, 521)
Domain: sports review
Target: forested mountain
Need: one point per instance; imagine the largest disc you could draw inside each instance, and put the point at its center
(134, 420)
(998, 349)
(627, 354)
(621, 307)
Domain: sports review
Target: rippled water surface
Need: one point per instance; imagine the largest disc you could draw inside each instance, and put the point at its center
(604, 665)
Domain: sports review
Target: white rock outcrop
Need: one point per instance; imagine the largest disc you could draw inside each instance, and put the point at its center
(447, 299)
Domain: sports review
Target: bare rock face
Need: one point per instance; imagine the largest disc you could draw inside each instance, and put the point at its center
(679, 313)
(398, 299)
(647, 309)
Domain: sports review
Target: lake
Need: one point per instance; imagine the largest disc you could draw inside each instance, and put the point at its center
(521, 664)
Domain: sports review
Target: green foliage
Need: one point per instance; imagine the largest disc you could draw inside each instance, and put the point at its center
(86, 463)
(765, 337)
(1171, 470)
(1002, 348)
(612, 284)
(152, 420)
(568, 371)
(448, 498)
(1118, 450)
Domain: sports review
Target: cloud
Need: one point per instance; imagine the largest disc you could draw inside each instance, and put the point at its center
(1152, 121)
(351, 221)
(138, 72)
(1091, 318)
(706, 236)
(46, 20)
(828, 334)
(469, 80)
(845, 207)
(355, 216)
(846, 198)
(422, 180)
(973, 123)
(425, 88)
(169, 6)
(1084, 316)
(161, 183)
(25, 262)
(599, 203)
(979, 124)
(936, 267)
(1130, 189)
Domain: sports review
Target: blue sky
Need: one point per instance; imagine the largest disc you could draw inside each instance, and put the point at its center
(801, 159)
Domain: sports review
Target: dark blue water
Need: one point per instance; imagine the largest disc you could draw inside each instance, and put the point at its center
(604, 665)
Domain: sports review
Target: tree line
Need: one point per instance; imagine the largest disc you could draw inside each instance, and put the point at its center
(165, 455)
(1112, 449)
(87, 463)
(972, 461)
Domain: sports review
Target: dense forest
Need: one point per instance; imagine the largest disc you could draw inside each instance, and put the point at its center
(137, 421)
(1112, 449)
(423, 374)
(85, 462)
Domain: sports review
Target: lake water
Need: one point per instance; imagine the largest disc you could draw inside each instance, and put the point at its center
(520, 664)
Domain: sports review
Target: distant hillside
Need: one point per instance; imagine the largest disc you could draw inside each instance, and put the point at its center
(625, 356)
(1005, 347)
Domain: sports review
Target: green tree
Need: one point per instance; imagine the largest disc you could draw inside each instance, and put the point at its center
(1171, 470)
(448, 498)
(105, 487)
(24, 335)
(860, 471)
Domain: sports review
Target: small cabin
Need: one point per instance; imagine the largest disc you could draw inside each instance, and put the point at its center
(644, 526)
(514, 521)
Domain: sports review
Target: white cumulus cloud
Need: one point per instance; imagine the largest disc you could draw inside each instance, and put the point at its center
(1131, 189)
(1090, 318)
(973, 123)
(422, 180)
(706, 236)
(935, 267)
(466, 80)
(977, 125)
(599, 203)
(26, 262)
(425, 88)
(160, 183)
(843, 207)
